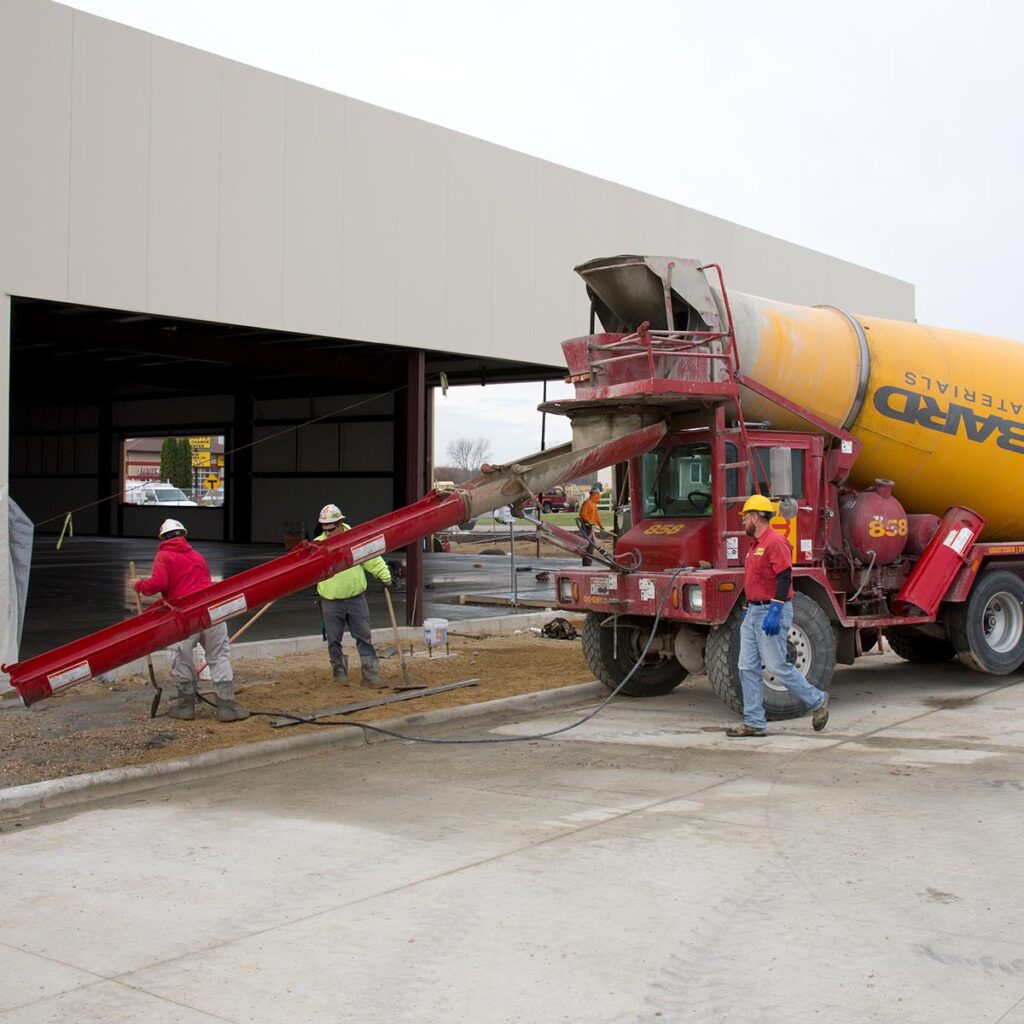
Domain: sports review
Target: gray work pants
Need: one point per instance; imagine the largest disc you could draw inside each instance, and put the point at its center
(218, 653)
(350, 612)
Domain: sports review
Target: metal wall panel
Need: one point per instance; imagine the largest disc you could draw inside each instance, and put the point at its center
(468, 287)
(184, 183)
(252, 197)
(313, 221)
(370, 242)
(368, 446)
(319, 448)
(553, 259)
(592, 234)
(109, 202)
(420, 208)
(276, 502)
(512, 276)
(422, 233)
(35, 81)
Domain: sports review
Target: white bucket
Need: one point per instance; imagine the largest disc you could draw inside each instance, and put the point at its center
(435, 632)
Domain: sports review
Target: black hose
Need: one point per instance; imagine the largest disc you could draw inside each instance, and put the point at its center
(366, 727)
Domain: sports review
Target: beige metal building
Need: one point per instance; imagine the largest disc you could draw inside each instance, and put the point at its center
(189, 245)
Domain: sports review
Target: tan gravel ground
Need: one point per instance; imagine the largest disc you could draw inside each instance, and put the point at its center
(98, 726)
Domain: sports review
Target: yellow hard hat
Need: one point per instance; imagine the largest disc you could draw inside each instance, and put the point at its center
(757, 503)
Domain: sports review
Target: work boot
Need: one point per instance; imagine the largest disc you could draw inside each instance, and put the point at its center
(229, 711)
(371, 672)
(820, 717)
(340, 670)
(743, 731)
(183, 707)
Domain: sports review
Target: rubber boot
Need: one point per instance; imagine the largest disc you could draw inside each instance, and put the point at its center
(371, 672)
(229, 711)
(183, 707)
(340, 670)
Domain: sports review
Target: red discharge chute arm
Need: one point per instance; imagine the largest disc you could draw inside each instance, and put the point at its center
(308, 563)
(168, 621)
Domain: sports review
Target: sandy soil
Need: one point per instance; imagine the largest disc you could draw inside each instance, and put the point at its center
(97, 726)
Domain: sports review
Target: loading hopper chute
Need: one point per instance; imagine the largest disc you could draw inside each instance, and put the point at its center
(669, 294)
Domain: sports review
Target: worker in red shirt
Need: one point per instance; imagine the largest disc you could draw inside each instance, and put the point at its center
(179, 570)
(768, 585)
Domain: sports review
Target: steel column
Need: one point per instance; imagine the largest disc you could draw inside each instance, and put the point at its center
(415, 465)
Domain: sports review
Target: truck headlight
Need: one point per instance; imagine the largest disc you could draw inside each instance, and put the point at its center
(695, 598)
(565, 589)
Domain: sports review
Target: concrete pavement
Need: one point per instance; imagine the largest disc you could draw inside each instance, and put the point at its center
(642, 868)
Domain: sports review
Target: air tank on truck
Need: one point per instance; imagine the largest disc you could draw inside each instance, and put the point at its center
(893, 451)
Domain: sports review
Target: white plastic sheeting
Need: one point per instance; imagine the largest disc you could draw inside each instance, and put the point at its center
(16, 532)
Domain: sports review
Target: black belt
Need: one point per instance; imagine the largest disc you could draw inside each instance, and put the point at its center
(761, 602)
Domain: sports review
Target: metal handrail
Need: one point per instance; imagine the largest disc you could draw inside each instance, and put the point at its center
(644, 342)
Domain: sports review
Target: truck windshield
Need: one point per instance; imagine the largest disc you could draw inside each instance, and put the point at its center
(676, 481)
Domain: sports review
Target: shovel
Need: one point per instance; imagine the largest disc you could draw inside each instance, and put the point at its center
(149, 661)
(406, 685)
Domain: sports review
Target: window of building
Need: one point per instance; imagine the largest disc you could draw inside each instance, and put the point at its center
(173, 471)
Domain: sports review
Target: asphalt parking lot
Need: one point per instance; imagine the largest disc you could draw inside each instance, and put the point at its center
(641, 868)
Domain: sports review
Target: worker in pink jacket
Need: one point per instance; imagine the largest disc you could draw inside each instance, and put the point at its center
(179, 570)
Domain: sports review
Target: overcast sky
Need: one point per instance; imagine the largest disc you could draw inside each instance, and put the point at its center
(885, 133)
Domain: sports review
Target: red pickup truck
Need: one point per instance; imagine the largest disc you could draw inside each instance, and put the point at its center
(556, 500)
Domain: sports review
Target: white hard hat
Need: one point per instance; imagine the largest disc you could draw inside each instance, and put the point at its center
(331, 514)
(172, 527)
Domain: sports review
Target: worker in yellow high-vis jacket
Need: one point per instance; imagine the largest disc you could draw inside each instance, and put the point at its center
(343, 604)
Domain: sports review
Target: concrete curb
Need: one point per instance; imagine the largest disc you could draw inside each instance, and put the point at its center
(382, 637)
(19, 801)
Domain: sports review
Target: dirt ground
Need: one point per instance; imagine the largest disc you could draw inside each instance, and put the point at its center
(525, 549)
(99, 726)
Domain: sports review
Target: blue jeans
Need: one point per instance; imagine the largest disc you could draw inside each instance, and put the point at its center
(757, 648)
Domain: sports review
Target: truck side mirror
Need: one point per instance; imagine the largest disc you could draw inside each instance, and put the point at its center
(780, 470)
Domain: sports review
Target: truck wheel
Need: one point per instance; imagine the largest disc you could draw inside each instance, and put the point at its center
(547, 507)
(924, 650)
(811, 646)
(610, 661)
(987, 630)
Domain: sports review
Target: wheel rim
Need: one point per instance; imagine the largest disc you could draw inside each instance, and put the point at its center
(632, 640)
(1003, 622)
(798, 653)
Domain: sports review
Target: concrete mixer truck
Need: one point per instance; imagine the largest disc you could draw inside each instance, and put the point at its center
(891, 451)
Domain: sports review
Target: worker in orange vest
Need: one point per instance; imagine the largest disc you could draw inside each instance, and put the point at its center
(589, 520)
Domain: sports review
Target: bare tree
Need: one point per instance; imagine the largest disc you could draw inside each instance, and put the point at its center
(468, 452)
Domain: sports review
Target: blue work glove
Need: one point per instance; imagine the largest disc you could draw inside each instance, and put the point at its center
(771, 620)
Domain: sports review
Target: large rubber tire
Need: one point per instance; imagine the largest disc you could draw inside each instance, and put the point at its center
(610, 661)
(924, 650)
(811, 646)
(987, 630)
(547, 508)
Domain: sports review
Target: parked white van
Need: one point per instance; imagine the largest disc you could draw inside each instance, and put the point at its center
(160, 494)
